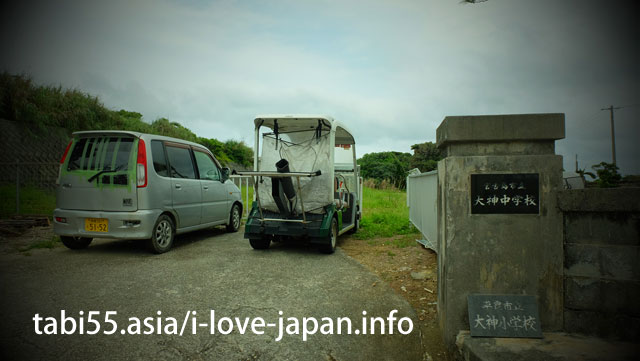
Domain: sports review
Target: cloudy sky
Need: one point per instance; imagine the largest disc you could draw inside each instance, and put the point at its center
(392, 70)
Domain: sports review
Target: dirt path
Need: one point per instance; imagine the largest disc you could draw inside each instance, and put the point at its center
(412, 272)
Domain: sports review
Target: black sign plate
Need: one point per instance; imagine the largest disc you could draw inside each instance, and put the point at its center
(504, 316)
(505, 194)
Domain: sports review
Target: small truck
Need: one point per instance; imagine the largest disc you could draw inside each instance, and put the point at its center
(306, 181)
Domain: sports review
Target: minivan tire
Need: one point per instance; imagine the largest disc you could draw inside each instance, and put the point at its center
(163, 234)
(76, 242)
(235, 218)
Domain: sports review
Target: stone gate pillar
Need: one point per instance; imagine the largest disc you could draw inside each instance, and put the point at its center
(499, 230)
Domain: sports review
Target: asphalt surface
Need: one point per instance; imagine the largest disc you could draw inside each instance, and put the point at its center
(206, 270)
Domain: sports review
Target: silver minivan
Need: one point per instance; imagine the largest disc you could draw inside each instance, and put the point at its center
(129, 185)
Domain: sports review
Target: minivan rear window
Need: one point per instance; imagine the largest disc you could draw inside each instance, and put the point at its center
(101, 153)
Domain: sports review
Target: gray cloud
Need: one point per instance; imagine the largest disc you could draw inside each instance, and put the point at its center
(391, 69)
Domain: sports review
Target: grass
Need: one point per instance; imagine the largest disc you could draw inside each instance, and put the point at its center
(385, 214)
(243, 192)
(33, 200)
(45, 243)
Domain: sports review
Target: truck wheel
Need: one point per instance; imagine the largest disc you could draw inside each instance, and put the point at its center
(76, 242)
(333, 238)
(162, 235)
(234, 219)
(260, 243)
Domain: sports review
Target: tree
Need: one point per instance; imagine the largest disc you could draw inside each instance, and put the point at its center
(608, 176)
(425, 156)
(390, 166)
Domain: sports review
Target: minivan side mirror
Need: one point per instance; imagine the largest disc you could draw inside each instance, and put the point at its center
(224, 174)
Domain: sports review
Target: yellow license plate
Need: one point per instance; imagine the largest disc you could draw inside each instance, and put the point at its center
(96, 225)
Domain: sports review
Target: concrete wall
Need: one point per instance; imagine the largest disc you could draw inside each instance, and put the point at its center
(602, 262)
(498, 253)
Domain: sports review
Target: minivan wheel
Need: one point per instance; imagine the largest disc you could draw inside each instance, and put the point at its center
(330, 247)
(234, 219)
(260, 243)
(76, 242)
(163, 234)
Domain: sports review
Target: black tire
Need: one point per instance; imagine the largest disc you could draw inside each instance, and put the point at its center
(330, 247)
(235, 218)
(163, 234)
(260, 243)
(76, 242)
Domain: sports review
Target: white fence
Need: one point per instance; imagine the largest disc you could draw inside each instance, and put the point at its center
(242, 182)
(422, 198)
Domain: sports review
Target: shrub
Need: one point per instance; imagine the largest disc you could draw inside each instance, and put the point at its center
(608, 176)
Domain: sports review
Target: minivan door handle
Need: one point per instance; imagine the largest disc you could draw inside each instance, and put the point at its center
(205, 187)
(178, 186)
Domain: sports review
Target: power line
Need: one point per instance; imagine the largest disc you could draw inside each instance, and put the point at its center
(627, 106)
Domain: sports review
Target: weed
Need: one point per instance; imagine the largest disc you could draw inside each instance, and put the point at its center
(33, 200)
(405, 241)
(385, 214)
(40, 244)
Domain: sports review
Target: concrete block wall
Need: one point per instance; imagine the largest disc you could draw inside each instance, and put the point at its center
(602, 262)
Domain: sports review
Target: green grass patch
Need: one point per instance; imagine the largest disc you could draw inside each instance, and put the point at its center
(385, 214)
(33, 200)
(243, 192)
(404, 241)
(44, 243)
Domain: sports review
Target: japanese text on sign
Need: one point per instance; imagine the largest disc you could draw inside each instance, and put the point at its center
(503, 316)
(504, 193)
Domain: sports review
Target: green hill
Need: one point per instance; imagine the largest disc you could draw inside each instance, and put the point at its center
(39, 107)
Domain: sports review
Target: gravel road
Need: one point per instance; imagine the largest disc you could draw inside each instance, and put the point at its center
(207, 270)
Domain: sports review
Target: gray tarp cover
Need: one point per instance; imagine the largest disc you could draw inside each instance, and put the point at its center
(306, 154)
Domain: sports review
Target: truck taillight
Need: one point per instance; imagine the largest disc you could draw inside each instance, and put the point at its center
(141, 166)
(64, 157)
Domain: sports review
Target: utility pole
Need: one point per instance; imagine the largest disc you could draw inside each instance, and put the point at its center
(613, 133)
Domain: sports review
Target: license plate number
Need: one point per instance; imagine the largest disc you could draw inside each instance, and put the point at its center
(96, 225)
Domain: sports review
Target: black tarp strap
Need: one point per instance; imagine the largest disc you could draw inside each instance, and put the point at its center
(319, 129)
(275, 131)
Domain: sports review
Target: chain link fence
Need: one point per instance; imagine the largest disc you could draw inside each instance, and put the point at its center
(16, 176)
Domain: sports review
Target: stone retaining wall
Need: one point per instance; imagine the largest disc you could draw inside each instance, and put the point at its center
(602, 261)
